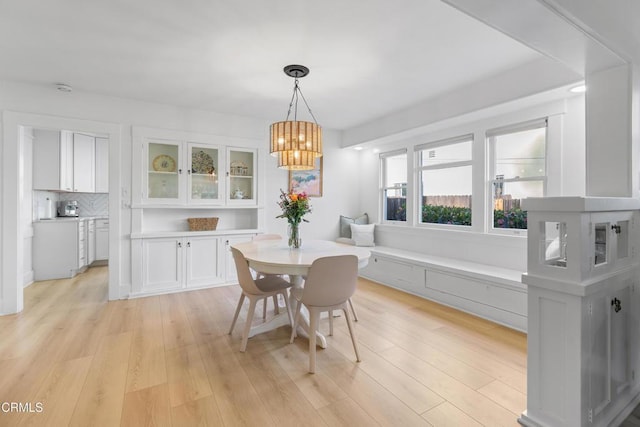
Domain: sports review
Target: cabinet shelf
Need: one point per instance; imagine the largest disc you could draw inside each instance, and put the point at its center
(241, 176)
(163, 173)
(199, 206)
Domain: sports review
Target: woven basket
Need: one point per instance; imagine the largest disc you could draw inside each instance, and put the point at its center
(202, 224)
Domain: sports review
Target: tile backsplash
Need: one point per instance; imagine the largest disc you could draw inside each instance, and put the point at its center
(89, 204)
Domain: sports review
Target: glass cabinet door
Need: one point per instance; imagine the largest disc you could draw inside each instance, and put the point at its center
(241, 172)
(163, 171)
(204, 172)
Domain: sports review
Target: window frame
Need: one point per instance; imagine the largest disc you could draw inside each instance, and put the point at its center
(419, 168)
(384, 187)
(490, 136)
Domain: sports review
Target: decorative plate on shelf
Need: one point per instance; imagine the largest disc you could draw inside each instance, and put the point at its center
(164, 163)
(201, 162)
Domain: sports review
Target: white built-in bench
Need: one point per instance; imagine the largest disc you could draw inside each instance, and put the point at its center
(487, 291)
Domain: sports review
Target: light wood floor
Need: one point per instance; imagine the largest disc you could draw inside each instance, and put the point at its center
(167, 360)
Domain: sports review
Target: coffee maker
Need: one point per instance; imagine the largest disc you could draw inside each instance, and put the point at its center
(68, 208)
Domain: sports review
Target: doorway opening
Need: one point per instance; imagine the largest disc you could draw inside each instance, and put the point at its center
(25, 204)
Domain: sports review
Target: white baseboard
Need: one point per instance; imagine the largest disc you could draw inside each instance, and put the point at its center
(28, 278)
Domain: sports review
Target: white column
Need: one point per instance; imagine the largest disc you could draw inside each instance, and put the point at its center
(611, 153)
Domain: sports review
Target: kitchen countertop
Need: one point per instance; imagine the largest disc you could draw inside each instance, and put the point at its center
(72, 218)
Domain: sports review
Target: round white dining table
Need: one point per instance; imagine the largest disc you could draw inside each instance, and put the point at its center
(275, 257)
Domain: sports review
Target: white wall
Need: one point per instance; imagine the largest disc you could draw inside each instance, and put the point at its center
(341, 184)
(340, 165)
(566, 176)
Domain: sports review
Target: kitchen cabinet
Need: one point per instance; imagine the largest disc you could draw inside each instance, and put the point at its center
(82, 243)
(102, 165)
(63, 161)
(102, 239)
(84, 160)
(58, 248)
(181, 173)
(91, 241)
(180, 262)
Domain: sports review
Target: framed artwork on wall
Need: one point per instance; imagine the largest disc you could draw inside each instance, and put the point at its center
(309, 182)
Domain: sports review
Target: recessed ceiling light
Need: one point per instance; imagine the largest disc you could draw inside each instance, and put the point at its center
(357, 148)
(578, 89)
(63, 87)
(376, 150)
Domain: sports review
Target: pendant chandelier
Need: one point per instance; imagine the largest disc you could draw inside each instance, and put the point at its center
(296, 143)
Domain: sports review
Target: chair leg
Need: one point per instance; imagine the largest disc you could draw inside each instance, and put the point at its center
(235, 316)
(276, 307)
(351, 332)
(247, 326)
(330, 323)
(288, 307)
(353, 310)
(264, 309)
(296, 321)
(313, 328)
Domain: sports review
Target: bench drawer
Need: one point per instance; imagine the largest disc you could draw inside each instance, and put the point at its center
(396, 273)
(513, 301)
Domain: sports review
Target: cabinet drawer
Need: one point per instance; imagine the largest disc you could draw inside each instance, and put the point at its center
(102, 223)
(396, 273)
(475, 290)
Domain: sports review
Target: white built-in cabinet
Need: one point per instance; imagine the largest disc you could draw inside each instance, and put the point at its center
(180, 262)
(180, 175)
(189, 173)
(583, 311)
(231, 274)
(241, 183)
(183, 262)
(69, 161)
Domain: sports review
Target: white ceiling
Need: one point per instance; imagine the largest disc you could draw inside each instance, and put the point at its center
(367, 58)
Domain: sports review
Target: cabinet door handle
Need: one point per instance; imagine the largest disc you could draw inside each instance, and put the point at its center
(616, 228)
(188, 244)
(189, 171)
(179, 244)
(179, 170)
(617, 304)
(227, 173)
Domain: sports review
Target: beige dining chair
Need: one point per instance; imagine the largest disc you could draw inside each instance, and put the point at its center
(329, 285)
(259, 275)
(256, 290)
(351, 242)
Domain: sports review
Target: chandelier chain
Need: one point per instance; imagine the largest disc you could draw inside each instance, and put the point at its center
(294, 100)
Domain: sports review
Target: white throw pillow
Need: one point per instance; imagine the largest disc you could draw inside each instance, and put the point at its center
(362, 234)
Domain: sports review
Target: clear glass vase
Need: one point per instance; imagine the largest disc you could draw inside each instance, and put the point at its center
(293, 233)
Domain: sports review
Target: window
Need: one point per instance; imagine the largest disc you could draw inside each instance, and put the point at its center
(394, 186)
(518, 171)
(445, 180)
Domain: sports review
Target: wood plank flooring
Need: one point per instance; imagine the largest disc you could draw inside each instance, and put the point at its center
(168, 361)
